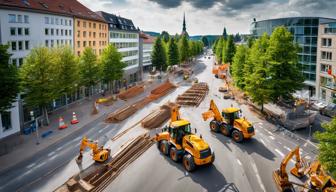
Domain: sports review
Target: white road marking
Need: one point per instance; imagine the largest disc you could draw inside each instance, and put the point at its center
(30, 166)
(254, 166)
(271, 137)
(53, 157)
(239, 162)
(58, 149)
(263, 142)
(106, 126)
(40, 164)
(51, 154)
(279, 142)
(269, 132)
(280, 153)
(100, 131)
(287, 148)
(308, 157)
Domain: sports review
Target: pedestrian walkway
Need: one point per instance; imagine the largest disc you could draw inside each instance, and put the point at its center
(83, 108)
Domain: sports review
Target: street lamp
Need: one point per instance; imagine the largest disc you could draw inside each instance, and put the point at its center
(36, 126)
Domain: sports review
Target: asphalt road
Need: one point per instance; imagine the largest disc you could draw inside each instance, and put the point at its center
(238, 167)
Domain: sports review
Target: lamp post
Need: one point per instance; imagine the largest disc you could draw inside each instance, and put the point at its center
(36, 126)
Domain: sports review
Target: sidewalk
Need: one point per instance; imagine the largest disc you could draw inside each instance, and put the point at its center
(28, 148)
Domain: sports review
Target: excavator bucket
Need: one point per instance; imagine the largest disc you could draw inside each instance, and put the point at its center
(282, 183)
(300, 169)
(207, 115)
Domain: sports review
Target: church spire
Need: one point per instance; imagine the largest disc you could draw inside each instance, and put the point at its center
(184, 29)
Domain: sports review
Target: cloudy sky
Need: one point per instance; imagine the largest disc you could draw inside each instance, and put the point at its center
(209, 16)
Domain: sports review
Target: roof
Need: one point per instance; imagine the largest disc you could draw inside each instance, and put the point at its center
(179, 123)
(60, 7)
(230, 110)
(147, 38)
(294, 18)
(117, 22)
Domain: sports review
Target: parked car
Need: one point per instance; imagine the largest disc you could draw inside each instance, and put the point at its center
(329, 110)
(318, 106)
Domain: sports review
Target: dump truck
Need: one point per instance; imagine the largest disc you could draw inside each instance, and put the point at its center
(99, 154)
(178, 141)
(220, 71)
(230, 122)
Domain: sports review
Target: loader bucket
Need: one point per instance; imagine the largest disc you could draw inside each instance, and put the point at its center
(207, 115)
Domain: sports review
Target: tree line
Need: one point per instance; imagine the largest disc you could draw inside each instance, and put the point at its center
(50, 73)
(173, 50)
(224, 48)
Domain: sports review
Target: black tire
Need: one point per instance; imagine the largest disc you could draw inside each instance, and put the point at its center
(188, 162)
(173, 154)
(214, 126)
(225, 129)
(164, 147)
(212, 158)
(237, 136)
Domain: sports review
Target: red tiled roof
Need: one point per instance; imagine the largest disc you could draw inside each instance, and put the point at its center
(61, 7)
(147, 38)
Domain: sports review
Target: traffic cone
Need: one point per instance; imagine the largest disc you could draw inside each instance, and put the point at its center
(74, 118)
(62, 125)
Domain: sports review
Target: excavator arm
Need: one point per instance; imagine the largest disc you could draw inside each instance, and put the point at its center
(87, 143)
(212, 112)
(175, 114)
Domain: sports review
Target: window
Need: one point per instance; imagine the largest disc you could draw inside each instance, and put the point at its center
(14, 62)
(51, 43)
(46, 43)
(19, 31)
(70, 33)
(46, 20)
(26, 19)
(89, 43)
(78, 53)
(90, 34)
(56, 21)
(12, 31)
(94, 43)
(51, 20)
(57, 32)
(12, 18)
(66, 22)
(326, 42)
(6, 120)
(78, 33)
(26, 31)
(84, 33)
(61, 21)
(66, 32)
(78, 23)
(20, 45)
(323, 94)
(70, 23)
(94, 34)
(19, 18)
(57, 42)
(84, 24)
(78, 44)
(51, 31)
(326, 55)
(27, 45)
(20, 61)
(46, 31)
(84, 43)
(325, 67)
(89, 24)
(94, 25)
(13, 45)
(61, 32)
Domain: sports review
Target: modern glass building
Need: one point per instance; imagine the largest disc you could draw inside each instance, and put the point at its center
(305, 32)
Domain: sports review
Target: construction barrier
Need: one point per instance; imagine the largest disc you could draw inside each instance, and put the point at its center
(62, 125)
(74, 118)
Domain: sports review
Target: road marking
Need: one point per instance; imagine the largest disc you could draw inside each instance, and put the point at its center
(58, 149)
(53, 157)
(51, 154)
(271, 137)
(280, 153)
(40, 164)
(263, 142)
(308, 157)
(305, 145)
(279, 142)
(100, 131)
(254, 166)
(30, 166)
(106, 126)
(239, 162)
(269, 132)
(287, 148)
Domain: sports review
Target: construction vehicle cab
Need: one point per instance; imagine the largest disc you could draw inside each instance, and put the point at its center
(99, 154)
(280, 176)
(319, 180)
(179, 142)
(230, 122)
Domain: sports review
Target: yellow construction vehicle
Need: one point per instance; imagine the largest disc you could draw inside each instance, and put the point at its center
(229, 122)
(178, 141)
(280, 176)
(319, 180)
(99, 154)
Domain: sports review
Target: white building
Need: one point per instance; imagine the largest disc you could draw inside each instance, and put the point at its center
(146, 46)
(125, 37)
(23, 27)
(326, 63)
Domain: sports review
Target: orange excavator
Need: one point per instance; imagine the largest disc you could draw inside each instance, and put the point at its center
(220, 71)
(319, 180)
(99, 154)
(280, 176)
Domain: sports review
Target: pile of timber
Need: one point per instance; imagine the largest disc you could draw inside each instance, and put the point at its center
(132, 92)
(101, 177)
(194, 95)
(156, 118)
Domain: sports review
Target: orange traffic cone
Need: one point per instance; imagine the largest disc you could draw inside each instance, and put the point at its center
(62, 125)
(74, 118)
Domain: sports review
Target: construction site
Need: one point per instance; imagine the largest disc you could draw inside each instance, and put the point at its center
(190, 130)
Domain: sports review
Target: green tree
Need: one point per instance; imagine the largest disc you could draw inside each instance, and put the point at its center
(88, 69)
(239, 60)
(250, 41)
(8, 80)
(184, 48)
(225, 35)
(159, 58)
(67, 71)
(229, 50)
(219, 50)
(205, 41)
(214, 46)
(282, 57)
(165, 36)
(39, 78)
(327, 146)
(173, 53)
(111, 65)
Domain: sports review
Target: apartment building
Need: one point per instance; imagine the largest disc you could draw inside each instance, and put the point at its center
(326, 62)
(125, 37)
(146, 48)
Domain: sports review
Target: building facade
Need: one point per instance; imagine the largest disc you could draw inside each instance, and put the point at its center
(326, 63)
(146, 48)
(125, 37)
(305, 32)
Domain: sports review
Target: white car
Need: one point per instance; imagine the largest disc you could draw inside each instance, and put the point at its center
(318, 106)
